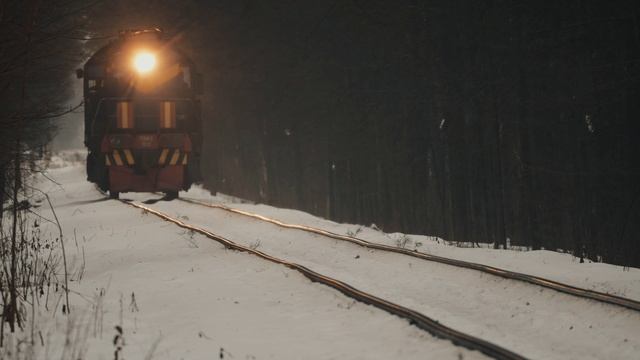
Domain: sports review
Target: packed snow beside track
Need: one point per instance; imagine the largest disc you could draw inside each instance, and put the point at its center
(180, 295)
(552, 265)
(526, 319)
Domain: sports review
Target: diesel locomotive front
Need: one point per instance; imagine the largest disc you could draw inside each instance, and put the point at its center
(142, 115)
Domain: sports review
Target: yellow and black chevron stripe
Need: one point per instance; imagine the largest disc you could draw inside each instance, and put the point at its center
(172, 157)
(167, 157)
(120, 158)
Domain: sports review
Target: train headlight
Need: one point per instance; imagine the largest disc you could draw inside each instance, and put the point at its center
(144, 62)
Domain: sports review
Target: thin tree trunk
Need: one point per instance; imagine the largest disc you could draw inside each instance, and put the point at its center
(12, 312)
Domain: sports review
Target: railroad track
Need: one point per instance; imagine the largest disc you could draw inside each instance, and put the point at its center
(416, 318)
(536, 280)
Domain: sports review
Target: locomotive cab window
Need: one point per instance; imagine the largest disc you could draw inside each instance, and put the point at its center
(93, 85)
(186, 76)
(95, 78)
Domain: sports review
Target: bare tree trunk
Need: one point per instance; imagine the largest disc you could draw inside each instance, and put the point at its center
(3, 178)
(500, 233)
(13, 316)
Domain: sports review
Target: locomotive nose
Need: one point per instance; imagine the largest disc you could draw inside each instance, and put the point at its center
(145, 160)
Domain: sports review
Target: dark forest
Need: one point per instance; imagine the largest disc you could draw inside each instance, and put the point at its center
(473, 121)
(511, 123)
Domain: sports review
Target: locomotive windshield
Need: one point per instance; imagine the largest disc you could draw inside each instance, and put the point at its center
(145, 115)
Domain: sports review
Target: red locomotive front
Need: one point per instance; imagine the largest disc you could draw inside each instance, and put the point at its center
(142, 116)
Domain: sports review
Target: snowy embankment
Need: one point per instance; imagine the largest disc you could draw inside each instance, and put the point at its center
(179, 295)
(529, 320)
(552, 265)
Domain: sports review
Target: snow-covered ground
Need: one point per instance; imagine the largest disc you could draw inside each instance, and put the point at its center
(178, 295)
(182, 296)
(552, 265)
(540, 324)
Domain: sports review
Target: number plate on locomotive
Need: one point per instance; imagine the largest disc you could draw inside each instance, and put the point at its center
(146, 141)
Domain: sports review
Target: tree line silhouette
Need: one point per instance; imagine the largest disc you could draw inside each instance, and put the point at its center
(504, 122)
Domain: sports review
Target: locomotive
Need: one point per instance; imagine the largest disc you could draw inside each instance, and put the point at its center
(142, 115)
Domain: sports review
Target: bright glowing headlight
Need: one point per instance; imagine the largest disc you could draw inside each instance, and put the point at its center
(144, 62)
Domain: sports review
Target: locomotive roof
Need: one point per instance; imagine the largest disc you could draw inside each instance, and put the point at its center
(114, 47)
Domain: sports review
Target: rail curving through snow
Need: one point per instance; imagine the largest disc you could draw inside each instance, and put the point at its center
(532, 279)
(415, 318)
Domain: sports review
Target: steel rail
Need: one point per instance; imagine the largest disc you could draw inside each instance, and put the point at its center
(415, 318)
(532, 279)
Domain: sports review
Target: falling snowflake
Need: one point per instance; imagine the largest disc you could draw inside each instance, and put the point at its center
(587, 120)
